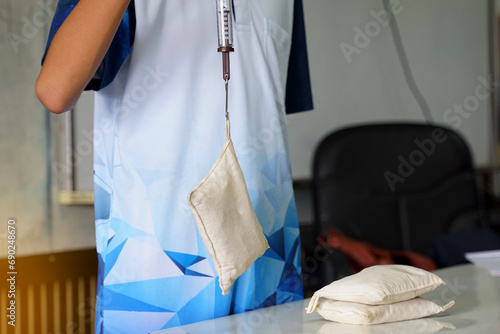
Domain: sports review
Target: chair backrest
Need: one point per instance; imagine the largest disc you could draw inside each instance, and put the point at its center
(395, 185)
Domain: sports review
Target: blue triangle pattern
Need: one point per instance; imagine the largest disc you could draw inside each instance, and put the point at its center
(292, 252)
(274, 199)
(291, 280)
(271, 253)
(277, 243)
(191, 312)
(291, 212)
(125, 303)
(111, 258)
(111, 239)
(122, 228)
(163, 292)
(173, 322)
(101, 207)
(184, 261)
(277, 169)
(269, 301)
(286, 297)
(195, 273)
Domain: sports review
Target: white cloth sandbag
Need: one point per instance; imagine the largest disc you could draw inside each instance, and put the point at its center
(225, 218)
(362, 314)
(376, 285)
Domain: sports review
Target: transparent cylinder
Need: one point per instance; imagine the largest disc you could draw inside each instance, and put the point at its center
(225, 25)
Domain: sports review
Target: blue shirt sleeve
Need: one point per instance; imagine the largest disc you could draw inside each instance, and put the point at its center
(119, 49)
(298, 87)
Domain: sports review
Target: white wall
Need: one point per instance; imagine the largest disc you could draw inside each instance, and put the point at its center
(446, 43)
(23, 137)
(27, 144)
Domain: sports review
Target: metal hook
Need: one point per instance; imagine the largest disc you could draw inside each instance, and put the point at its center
(227, 96)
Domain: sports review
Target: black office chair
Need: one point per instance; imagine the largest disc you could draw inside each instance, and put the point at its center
(395, 186)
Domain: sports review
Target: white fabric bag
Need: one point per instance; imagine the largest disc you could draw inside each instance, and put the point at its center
(363, 314)
(378, 294)
(225, 217)
(379, 285)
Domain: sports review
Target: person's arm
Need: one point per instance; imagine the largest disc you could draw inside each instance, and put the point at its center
(76, 52)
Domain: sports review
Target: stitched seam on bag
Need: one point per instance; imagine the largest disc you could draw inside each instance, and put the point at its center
(418, 292)
(216, 164)
(202, 182)
(211, 244)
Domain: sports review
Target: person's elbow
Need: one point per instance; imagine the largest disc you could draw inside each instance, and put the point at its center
(53, 99)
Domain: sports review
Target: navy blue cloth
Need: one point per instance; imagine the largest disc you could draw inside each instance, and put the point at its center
(118, 51)
(298, 89)
(64, 7)
(298, 86)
